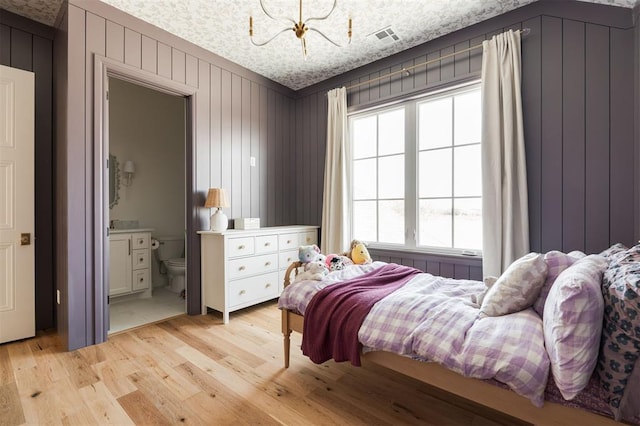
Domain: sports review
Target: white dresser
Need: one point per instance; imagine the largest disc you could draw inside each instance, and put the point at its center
(129, 262)
(241, 268)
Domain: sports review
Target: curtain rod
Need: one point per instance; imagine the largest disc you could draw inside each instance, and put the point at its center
(523, 32)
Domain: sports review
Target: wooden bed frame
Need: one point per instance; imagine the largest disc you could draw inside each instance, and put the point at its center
(475, 390)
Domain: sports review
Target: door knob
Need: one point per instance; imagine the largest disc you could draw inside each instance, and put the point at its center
(25, 239)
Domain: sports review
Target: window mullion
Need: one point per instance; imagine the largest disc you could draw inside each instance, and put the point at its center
(377, 177)
(453, 170)
(410, 176)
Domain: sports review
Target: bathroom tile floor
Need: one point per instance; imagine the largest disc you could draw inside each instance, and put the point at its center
(133, 313)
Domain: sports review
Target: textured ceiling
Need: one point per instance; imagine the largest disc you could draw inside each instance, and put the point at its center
(221, 26)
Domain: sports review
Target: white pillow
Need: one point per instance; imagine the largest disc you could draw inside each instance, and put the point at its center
(517, 288)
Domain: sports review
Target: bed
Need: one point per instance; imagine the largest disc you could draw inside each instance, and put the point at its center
(451, 366)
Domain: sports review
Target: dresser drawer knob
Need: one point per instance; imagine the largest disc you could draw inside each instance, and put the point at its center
(242, 268)
(308, 239)
(267, 244)
(267, 264)
(288, 241)
(267, 285)
(141, 279)
(242, 292)
(241, 247)
(141, 259)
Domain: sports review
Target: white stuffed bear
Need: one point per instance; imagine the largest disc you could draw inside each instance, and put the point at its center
(313, 271)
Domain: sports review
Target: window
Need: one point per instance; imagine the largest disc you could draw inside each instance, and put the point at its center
(416, 173)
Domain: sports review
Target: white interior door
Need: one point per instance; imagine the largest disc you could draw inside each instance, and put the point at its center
(17, 224)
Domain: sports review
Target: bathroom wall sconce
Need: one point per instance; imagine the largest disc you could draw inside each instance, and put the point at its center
(129, 169)
(216, 198)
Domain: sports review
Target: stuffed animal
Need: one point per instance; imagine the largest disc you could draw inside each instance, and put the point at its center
(308, 254)
(360, 254)
(336, 262)
(347, 253)
(313, 271)
(321, 258)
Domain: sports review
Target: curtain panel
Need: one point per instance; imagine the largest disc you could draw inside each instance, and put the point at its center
(505, 218)
(336, 217)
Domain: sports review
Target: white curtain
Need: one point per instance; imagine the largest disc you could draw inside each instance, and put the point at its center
(335, 201)
(505, 218)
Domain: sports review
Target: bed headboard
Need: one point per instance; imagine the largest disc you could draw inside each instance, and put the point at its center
(292, 268)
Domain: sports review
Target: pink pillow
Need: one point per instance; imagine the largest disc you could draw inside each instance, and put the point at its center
(572, 324)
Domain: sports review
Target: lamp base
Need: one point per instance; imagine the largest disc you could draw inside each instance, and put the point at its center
(219, 221)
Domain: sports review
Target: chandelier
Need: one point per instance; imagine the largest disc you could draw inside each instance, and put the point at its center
(300, 28)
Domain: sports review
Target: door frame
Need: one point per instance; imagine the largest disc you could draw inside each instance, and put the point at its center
(103, 69)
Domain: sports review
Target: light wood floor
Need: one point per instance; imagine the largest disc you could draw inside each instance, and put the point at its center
(194, 370)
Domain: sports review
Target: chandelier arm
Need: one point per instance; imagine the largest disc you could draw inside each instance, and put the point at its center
(321, 18)
(279, 18)
(271, 39)
(326, 38)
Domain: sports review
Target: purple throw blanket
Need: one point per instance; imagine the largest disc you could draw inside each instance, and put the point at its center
(334, 315)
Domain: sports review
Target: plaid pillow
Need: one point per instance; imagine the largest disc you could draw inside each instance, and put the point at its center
(556, 263)
(572, 324)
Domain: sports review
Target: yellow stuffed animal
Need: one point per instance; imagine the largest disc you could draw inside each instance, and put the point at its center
(360, 254)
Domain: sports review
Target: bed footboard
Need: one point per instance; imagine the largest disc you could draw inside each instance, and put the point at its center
(286, 335)
(290, 322)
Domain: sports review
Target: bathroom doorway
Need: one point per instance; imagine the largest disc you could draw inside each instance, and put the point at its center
(147, 199)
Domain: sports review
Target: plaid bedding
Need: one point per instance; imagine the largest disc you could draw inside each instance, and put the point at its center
(435, 319)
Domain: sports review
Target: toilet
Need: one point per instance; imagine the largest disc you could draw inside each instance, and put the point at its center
(170, 253)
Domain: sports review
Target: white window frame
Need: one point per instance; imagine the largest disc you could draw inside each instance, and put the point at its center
(411, 197)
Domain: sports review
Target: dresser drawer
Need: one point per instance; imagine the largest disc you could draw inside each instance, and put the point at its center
(288, 241)
(251, 289)
(139, 241)
(242, 246)
(266, 244)
(239, 268)
(307, 238)
(140, 259)
(286, 258)
(140, 280)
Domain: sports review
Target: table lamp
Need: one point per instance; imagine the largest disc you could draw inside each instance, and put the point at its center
(216, 198)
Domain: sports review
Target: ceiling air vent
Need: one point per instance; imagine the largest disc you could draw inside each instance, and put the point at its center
(386, 35)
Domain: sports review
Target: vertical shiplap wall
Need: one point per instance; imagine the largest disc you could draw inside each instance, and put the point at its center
(309, 150)
(578, 100)
(238, 115)
(579, 129)
(28, 45)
